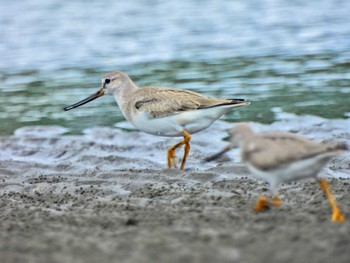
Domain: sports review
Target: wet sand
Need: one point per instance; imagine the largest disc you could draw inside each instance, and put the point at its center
(106, 196)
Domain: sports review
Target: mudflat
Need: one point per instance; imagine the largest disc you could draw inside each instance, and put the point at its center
(106, 196)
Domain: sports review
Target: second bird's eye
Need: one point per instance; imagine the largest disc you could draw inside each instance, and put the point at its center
(107, 81)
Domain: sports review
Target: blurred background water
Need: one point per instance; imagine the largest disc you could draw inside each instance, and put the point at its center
(291, 55)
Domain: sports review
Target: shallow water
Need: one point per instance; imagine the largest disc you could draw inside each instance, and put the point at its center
(287, 55)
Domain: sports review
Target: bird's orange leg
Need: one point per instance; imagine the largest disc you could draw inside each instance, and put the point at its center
(261, 204)
(337, 216)
(172, 149)
(187, 138)
(171, 157)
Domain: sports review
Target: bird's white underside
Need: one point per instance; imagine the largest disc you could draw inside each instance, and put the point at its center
(172, 125)
(293, 171)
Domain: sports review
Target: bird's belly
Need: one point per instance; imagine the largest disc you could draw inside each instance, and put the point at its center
(171, 125)
(293, 171)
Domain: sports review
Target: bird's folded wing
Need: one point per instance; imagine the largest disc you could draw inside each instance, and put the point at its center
(160, 102)
(269, 152)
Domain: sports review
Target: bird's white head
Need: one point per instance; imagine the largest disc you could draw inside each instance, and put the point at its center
(114, 81)
(111, 83)
(240, 133)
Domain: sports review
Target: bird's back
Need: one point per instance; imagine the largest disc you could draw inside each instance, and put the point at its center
(164, 101)
(272, 150)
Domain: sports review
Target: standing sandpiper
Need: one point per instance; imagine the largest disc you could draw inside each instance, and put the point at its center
(163, 111)
(278, 157)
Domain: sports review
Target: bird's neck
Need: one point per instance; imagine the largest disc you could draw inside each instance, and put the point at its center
(122, 97)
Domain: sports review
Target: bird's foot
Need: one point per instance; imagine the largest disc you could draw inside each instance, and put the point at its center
(276, 201)
(337, 215)
(261, 204)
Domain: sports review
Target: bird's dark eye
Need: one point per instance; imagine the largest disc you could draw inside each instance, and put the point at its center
(107, 81)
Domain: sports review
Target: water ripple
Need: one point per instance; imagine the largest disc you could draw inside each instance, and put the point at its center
(292, 55)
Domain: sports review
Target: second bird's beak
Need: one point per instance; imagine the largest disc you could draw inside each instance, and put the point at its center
(99, 93)
(217, 155)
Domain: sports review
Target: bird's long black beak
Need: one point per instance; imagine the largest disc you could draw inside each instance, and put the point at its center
(92, 97)
(217, 155)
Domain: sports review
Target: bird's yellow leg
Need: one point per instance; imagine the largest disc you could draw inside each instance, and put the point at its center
(261, 204)
(187, 138)
(171, 157)
(337, 216)
(172, 149)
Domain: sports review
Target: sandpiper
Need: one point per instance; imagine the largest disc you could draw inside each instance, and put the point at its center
(163, 111)
(278, 157)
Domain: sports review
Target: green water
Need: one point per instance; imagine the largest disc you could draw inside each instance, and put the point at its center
(288, 83)
(299, 64)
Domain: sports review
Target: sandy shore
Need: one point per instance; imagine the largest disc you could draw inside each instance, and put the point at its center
(106, 196)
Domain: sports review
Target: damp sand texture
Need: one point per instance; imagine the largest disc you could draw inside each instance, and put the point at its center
(105, 196)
